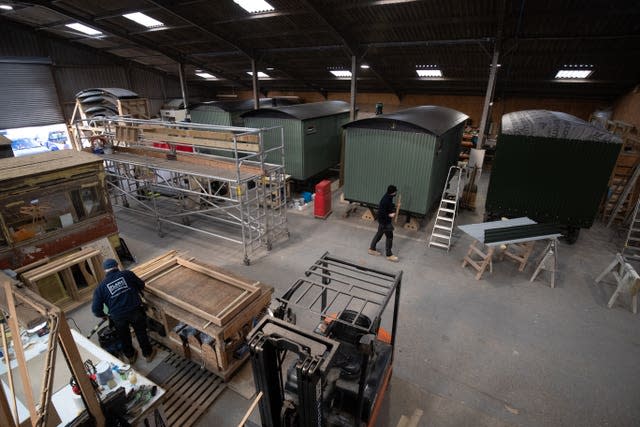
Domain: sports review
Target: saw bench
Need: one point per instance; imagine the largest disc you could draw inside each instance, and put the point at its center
(627, 281)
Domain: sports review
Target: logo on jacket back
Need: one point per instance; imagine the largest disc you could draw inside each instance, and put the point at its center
(117, 287)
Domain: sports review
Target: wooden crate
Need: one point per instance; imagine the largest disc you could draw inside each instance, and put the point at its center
(199, 302)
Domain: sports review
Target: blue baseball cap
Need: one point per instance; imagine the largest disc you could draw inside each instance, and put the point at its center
(109, 263)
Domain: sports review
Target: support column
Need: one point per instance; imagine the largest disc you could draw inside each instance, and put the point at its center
(354, 78)
(183, 86)
(256, 88)
(488, 97)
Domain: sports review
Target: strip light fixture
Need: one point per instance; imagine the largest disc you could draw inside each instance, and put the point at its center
(83, 29)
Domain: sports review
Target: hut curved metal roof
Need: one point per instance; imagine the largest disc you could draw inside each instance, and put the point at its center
(302, 111)
(431, 119)
(554, 124)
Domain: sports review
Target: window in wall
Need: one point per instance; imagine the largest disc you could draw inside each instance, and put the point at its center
(36, 213)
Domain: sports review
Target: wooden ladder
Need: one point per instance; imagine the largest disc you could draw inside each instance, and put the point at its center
(443, 225)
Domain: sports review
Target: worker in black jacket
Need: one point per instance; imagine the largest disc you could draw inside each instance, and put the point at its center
(386, 213)
(120, 291)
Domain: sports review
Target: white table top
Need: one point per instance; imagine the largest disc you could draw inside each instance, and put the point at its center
(477, 230)
(63, 399)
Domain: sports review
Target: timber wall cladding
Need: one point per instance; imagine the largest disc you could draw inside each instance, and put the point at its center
(470, 105)
(627, 108)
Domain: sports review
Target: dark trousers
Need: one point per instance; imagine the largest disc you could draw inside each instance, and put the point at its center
(387, 230)
(138, 320)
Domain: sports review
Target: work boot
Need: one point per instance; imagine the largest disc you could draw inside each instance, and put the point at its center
(151, 355)
(374, 252)
(133, 358)
(392, 258)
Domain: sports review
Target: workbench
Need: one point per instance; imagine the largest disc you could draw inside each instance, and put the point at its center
(525, 245)
(63, 399)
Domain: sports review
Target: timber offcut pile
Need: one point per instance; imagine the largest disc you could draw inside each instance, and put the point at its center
(202, 311)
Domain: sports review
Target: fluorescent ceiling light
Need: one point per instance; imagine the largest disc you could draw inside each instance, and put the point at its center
(260, 74)
(6, 7)
(254, 6)
(270, 68)
(143, 19)
(341, 73)
(364, 66)
(433, 72)
(207, 76)
(84, 29)
(573, 74)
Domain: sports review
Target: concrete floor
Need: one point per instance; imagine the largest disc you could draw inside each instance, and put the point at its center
(501, 351)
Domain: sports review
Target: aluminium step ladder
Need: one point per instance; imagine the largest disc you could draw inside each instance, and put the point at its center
(446, 215)
(631, 249)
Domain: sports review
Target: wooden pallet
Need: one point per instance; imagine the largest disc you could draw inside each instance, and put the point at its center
(190, 391)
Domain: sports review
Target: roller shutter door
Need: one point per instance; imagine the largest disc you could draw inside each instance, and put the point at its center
(28, 96)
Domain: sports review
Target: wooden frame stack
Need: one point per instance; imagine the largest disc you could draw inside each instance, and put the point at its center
(57, 278)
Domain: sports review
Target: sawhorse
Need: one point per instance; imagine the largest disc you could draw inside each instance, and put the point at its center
(627, 281)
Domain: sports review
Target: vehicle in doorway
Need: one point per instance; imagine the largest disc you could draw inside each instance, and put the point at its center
(26, 146)
(57, 140)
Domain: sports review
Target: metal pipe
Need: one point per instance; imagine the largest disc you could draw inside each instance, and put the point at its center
(183, 86)
(354, 70)
(256, 88)
(488, 98)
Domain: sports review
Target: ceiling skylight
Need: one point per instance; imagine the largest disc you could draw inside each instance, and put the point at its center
(83, 29)
(254, 6)
(206, 75)
(430, 72)
(341, 73)
(260, 74)
(144, 20)
(573, 74)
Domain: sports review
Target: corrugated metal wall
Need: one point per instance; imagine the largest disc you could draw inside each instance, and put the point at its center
(76, 67)
(25, 88)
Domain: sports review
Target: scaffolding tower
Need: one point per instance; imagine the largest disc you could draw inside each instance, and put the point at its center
(211, 179)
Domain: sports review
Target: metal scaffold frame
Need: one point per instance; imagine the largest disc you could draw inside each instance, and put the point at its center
(224, 188)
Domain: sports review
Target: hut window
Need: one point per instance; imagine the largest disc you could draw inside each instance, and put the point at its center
(311, 129)
(87, 202)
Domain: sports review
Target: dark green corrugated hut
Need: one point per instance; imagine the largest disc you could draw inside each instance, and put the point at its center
(227, 113)
(551, 167)
(311, 134)
(411, 149)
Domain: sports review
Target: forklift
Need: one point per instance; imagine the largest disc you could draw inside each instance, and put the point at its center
(332, 371)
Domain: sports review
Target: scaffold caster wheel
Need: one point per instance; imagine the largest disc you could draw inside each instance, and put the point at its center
(247, 261)
(269, 246)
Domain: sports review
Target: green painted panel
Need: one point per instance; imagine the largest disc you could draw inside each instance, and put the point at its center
(550, 179)
(211, 117)
(417, 163)
(311, 146)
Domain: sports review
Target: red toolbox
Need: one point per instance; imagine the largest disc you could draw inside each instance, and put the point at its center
(322, 202)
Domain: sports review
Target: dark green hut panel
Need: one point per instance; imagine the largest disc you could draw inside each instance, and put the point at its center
(412, 149)
(551, 167)
(312, 134)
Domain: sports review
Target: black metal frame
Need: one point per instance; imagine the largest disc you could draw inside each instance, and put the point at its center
(343, 285)
(335, 273)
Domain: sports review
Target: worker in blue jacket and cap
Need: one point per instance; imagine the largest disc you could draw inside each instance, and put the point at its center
(121, 292)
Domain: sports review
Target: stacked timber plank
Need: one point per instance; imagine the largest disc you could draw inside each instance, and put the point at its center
(205, 312)
(624, 186)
